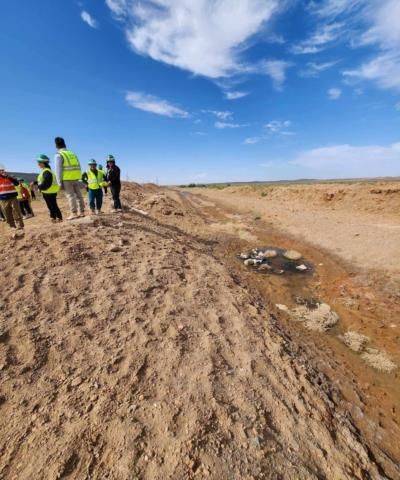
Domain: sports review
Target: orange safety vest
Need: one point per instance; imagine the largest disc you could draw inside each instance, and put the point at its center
(6, 186)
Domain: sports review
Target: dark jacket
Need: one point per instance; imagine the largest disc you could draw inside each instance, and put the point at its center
(47, 181)
(114, 176)
(7, 196)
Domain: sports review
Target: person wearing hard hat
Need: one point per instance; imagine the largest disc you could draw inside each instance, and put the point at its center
(101, 169)
(47, 184)
(114, 181)
(95, 181)
(8, 201)
(24, 198)
(68, 173)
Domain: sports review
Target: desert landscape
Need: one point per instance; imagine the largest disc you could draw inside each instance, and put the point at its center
(145, 345)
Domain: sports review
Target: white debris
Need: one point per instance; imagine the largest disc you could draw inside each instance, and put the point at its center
(321, 318)
(244, 255)
(301, 267)
(355, 341)
(378, 360)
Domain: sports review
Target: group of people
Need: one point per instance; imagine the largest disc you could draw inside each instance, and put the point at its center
(16, 195)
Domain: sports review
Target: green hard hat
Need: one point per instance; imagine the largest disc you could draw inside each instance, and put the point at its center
(110, 158)
(92, 162)
(100, 167)
(42, 158)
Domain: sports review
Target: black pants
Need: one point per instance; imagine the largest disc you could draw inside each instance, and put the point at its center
(51, 202)
(33, 194)
(25, 207)
(105, 190)
(115, 191)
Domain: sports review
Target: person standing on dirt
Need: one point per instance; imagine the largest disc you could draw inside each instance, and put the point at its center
(114, 180)
(95, 181)
(24, 198)
(32, 189)
(47, 184)
(8, 201)
(68, 173)
(101, 169)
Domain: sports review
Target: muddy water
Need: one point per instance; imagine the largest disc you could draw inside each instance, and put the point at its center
(363, 304)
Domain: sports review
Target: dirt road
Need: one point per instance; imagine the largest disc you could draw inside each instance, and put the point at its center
(138, 347)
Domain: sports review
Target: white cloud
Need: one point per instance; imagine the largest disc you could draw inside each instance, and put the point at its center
(351, 161)
(334, 93)
(150, 103)
(278, 126)
(276, 70)
(221, 115)
(384, 70)
(274, 38)
(313, 69)
(235, 95)
(324, 35)
(118, 7)
(334, 8)
(206, 37)
(251, 140)
(384, 33)
(87, 18)
(385, 29)
(222, 125)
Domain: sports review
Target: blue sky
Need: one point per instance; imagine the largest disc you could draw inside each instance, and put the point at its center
(207, 90)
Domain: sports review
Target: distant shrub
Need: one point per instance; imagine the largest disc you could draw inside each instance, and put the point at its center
(263, 194)
(257, 217)
(192, 185)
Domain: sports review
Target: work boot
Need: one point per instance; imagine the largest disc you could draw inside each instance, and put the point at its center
(99, 212)
(53, 220)
(73, 216)
(92, 212)
(81, 214)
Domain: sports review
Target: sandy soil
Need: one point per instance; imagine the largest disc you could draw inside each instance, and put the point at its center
(359, 222)
(138, 347)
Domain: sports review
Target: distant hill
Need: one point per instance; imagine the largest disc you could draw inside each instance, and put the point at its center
(28, 177)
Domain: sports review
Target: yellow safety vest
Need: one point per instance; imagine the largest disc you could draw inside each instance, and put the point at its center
(18, 189)
(25, 185)
(54, 188)
(95, 182)
(71, 165)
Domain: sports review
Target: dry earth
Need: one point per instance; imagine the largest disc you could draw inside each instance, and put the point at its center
(138, 347)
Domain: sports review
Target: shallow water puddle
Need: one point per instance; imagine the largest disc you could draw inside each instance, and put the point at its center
(275, 261)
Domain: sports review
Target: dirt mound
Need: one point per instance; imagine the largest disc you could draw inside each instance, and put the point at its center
(131, 362)
(163, 204)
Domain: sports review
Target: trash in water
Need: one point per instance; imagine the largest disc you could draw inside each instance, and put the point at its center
(277, 261)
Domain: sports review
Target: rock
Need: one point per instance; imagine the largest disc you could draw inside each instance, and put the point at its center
(278, 271)
(270, 253)
(244, 256)
(292, 255)
(250, 261)
(264, 267)
(114, 248)
(76, 382)
(284, 308)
